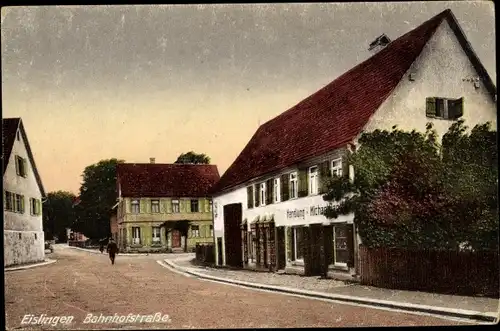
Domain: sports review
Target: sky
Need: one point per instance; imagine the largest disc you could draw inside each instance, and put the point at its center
(134, 82)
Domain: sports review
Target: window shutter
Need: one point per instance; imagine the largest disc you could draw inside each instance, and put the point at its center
(39, 207)
(142, 206)
(324, 174)
(455, 108)
(257, 195)
(22, 204)
(269, 191)
(4, 200)
(430, 109)
(250, 197)
(181, 206)
(161, 202)
(16, 159)
(285, 184)
(25, 167)
(188, 206)
(303, 182)
(168, 205)
(289, 249)
(350, 245)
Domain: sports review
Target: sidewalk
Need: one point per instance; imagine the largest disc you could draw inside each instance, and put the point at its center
(31, 265)
(476, 308)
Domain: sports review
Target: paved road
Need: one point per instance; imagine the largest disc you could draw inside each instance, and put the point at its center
(82, 283)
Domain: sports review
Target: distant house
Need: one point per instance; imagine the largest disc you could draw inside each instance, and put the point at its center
(164, 207)
(268, 206)
(75, 236)
(23, 194)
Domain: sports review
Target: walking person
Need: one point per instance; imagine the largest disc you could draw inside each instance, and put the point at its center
(112, 250)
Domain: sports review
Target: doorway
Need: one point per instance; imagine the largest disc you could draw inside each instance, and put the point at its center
(232, 234)
(176, 239)
(281, 247)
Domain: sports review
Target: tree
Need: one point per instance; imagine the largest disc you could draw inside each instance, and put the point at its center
(58, 214)
(97, 196)
(193, 158)
(411, 192)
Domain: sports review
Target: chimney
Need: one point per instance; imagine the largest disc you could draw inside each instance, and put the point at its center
(379, 43)
(152, 160)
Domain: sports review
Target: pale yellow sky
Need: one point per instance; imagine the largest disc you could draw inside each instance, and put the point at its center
(93, 83)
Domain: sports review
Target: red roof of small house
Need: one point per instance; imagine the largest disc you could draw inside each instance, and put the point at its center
(336, 114)
(157, 180)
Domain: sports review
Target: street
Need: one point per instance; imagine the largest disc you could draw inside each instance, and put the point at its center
(82, 283)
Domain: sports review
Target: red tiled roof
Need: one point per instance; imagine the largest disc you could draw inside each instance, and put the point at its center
(9, 130)
(166, 180)
(331, 117)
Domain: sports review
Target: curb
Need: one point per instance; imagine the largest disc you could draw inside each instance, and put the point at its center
(29, 266)
(123, 254)
(449, 312)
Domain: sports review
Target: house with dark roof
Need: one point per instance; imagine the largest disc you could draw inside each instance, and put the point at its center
(164, 207)
(268, 205)
(23, 194)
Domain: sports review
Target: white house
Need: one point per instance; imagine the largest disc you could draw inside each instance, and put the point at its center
(22, 198)
(269, 201)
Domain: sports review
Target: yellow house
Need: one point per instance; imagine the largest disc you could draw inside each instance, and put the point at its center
(164, 207)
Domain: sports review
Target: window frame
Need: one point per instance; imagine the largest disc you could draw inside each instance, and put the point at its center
(197, 204)
(293, 190)
(211, 230)
(135, 203)
(155, 239)
(176, 202)
(9, 201)
(21, 166)
(335, 169)
(335, 263)
(296, 245)
(195, 231)
(136, 240)
(155, 203)
(443, 113)
(313, 179)
(263, 194)
(277, 189)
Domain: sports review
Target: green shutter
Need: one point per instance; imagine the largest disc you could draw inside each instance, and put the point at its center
(455, 108)
(181, 205)
(162, 206)
(289, 248)
(168, 205)
(188, 206)
(22, 204)
(269, 191)
(430, 109)
(32, 206)
(25, 167)
(285, 184)
(16, 161)
(302, 182)
(250, 197)
(142, 205)
(39, 207)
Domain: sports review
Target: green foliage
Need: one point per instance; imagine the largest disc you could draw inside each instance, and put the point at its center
(58, 214)
(193, 158)
(97, 196)
(411, 192)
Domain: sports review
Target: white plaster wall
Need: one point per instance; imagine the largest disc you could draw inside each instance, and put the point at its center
(26, 249)
(439, 72)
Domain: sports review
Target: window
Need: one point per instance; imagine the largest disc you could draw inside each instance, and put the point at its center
(18, 136)
(135, 207)
(35, 236)
(136, 235)
(293, 185)
(156, 234)
(34, 207)
(215, 210)
(9, 201)
(341, 253)
(211, 230)
(19, 203)
(298, 237)
(263, 197)
(313, 180)
(210, 206)
(175, 206)
(450, 109)
(155, 206)
(336, 168)
(20, 166)
(194, 206)
(195, 231)
(276, 190)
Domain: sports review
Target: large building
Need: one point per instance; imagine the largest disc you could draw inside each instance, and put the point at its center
(268, 205)
(22, 198)
(164, 207)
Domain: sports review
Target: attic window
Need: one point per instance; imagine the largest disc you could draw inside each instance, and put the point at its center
(449, 109)
(18, 136)
(380, 42)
